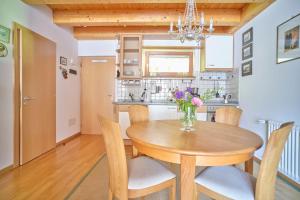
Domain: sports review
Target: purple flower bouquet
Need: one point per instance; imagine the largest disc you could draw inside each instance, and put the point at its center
(187, 103)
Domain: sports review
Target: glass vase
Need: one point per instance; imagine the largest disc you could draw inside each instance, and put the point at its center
(188, 120)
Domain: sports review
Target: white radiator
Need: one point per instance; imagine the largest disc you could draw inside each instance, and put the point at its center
(290, 159)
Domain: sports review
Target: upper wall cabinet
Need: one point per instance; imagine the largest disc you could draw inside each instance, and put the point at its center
(130, 59)
(217, 54)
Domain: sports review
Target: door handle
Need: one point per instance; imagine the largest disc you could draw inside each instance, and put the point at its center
(27, 98)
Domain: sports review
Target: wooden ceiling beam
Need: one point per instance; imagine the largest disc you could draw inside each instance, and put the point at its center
(49, 2)
(250, 11)
(158, 17)
(111, 32)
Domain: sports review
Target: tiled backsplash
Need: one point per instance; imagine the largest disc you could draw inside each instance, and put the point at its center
(159, 89)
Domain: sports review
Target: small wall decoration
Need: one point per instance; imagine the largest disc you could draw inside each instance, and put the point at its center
(248, 36)
(247, 52)
(4, 34)
(63, 61)
(247, 68)
(72, 71)
(64, 72)
(3, 50)
(288, 38)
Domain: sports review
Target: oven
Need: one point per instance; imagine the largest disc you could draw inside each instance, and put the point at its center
(211, 112)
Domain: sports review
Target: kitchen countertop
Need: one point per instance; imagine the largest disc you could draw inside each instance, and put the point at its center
(209, 103)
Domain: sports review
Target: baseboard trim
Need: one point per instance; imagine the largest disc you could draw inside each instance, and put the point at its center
(6, 169)
(68, 139)
(127, 142)
(282, 176)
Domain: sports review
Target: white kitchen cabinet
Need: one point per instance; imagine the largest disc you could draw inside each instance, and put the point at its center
(163, 112)
(156, 112)
(124, 123)
(201, 116)
(219, 53)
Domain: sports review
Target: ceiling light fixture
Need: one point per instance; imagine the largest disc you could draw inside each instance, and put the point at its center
(188, 29)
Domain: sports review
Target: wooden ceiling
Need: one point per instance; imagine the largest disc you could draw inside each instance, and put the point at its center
(104, 19)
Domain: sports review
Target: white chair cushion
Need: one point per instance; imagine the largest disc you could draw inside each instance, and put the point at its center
(145, 172)
(228, 181)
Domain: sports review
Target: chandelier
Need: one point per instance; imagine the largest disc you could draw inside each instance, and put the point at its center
(188, 29)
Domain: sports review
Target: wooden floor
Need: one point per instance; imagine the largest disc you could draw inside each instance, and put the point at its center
(54, 174)
(95, 185)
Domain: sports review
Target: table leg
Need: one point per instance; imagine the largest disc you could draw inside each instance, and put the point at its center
(187, 176)
(249, 166)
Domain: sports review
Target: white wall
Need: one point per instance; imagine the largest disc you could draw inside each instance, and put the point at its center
(272, 92)
(38, 19)
(97, 47)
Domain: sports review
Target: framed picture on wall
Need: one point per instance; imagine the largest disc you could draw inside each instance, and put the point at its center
(288, 38)
(3, 50)
(63, 61)
(247, 52)
(247, 68)
(4, 34)
(248, 36)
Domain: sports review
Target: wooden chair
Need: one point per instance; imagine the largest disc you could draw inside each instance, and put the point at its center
(228, 115)
(227, 182)
(142, 175)
(137, 113)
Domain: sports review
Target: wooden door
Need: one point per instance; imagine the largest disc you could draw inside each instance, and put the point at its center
(37, 57)
(97, 89)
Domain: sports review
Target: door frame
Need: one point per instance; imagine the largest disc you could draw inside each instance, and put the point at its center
(17, 31)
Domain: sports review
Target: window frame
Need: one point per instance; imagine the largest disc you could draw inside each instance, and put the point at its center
(169, 74)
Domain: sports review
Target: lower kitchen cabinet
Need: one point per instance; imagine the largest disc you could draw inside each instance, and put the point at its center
(156, 112)
(163, 112)
(124, 123)
(202, 116)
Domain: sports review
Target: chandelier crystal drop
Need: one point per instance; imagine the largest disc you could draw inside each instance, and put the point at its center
(188, 29)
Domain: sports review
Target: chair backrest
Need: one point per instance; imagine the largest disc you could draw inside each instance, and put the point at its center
(115, 150)
(265, 185)
(138, 113)
(228, 115)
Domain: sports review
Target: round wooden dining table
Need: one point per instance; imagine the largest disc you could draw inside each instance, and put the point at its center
(210, 144)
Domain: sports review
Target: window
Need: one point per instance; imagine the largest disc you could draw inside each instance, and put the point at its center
(168, 64)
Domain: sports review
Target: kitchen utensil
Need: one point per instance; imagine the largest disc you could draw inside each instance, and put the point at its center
(217, 94)
(158, 89)
(217, 89)
(195, 91)
(226, 97)
(143, 96)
